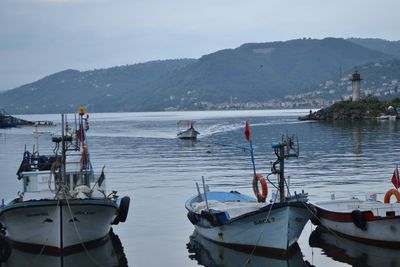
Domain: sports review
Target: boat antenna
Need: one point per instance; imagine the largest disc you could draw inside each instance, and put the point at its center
(248, 138)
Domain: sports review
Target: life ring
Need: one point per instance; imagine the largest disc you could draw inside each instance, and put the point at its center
(261, 196)
(389, 194)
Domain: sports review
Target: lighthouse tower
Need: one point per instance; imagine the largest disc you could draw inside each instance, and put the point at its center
(356, 85)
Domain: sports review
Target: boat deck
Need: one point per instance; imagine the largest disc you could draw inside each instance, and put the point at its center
(376, 207)
(233, 208)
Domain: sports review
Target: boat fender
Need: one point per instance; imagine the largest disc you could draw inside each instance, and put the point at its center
(211, 218)
(261, 196)
(359, 220)
(122, 210)
(314, 215)
(2, 229)
(192, 218)
(390, 193)
(5, 249)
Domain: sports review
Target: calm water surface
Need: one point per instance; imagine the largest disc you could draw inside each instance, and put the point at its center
(146, 161)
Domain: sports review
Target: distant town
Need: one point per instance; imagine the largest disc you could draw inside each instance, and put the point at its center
(329, 92)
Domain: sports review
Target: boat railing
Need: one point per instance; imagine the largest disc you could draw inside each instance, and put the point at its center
(386, 210)
(36, 162)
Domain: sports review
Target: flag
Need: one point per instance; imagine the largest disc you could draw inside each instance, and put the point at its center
(372, 197)
(101, 178)
(247, 131)
(396, 178)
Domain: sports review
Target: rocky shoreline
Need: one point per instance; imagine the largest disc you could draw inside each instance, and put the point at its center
(360, 110)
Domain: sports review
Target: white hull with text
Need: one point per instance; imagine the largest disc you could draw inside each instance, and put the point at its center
(244, 222)
(64, 205)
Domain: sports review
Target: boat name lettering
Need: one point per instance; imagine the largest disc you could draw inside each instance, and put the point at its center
(84, 213)
(37, 214)
(262, 221)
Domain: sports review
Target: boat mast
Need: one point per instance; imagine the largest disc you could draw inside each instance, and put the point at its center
(281, 159)
(63, 153)
(37, 139)
(283, 150)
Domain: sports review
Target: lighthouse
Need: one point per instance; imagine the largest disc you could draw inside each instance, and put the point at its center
(356, 85)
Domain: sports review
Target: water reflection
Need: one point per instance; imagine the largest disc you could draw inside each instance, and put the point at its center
(356, 140)
(211, 254)
(187, 143)
(109, 254)
(352, 252)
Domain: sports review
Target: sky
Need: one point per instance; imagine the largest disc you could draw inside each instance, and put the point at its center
(41, 37)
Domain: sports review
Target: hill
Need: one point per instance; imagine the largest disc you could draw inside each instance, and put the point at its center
(380, 79)
(253, 72)
(114, 89)
(384, 46)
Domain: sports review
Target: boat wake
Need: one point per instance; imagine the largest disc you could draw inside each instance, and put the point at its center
(223, 128)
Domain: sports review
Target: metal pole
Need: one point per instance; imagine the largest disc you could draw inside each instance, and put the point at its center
(281, 173)
(205, 192)
(63, 155)
(37, 139)
(198, 189)
(252, 158)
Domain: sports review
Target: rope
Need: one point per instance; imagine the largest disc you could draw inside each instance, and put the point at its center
(78, 234)
(316, 217)
(261, 234)
(44, 246)
(271, 181)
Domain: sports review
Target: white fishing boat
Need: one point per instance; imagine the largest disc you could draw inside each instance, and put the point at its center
(190, 132)
(243, 222)
(367, 221)
(63, 206)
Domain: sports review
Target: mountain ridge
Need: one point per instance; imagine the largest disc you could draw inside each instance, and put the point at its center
(249, 73)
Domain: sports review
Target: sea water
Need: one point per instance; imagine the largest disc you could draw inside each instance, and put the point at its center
(144, 160)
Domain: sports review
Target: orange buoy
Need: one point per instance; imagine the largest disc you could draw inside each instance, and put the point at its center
(261, 196)
(390, 193)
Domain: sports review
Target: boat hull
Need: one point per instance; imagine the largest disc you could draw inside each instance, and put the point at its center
(188, 134)
(381, 231)
(58, 226)
(273, 231)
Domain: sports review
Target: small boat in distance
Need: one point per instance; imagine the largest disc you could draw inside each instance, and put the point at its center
(64, 206)
(190, 133)
(243, 222)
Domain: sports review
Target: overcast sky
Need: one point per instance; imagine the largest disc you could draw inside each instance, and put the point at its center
(41, 37)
